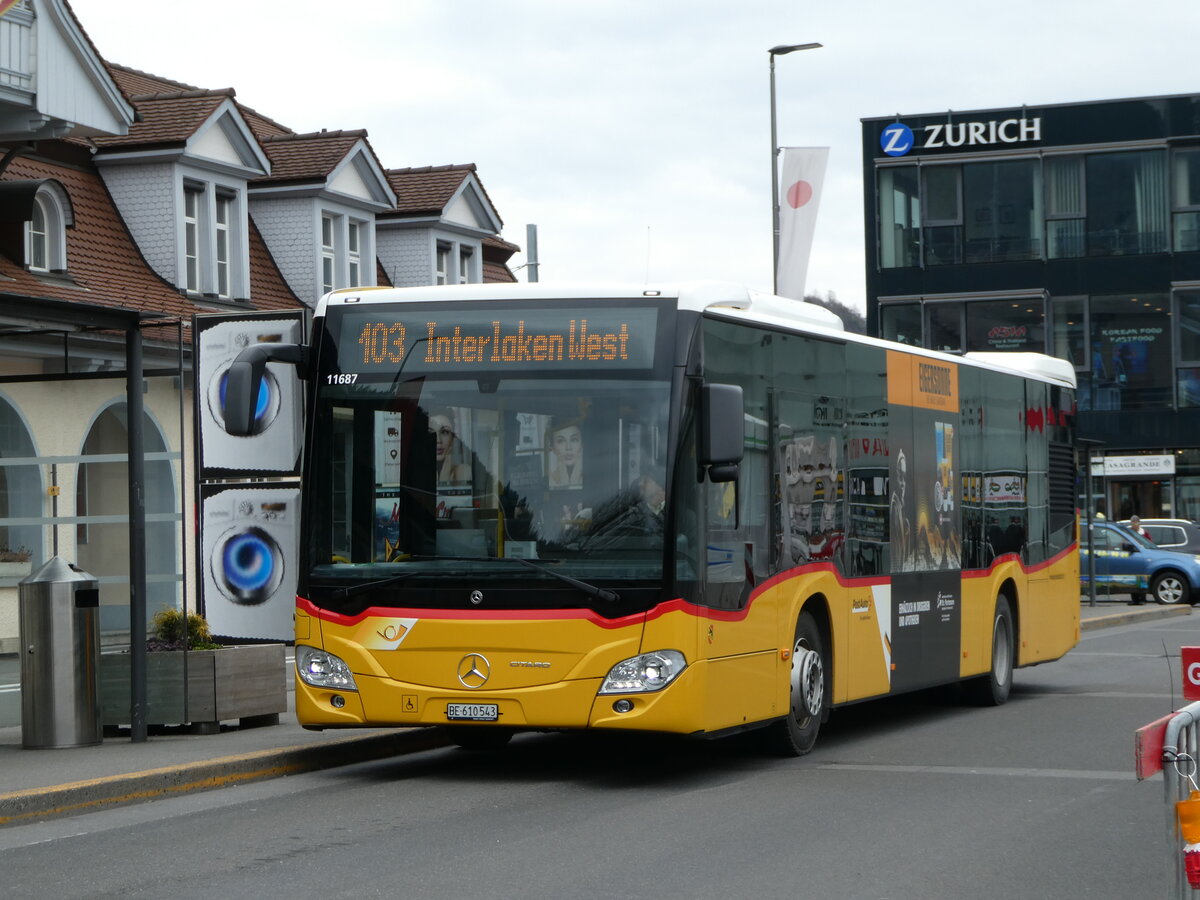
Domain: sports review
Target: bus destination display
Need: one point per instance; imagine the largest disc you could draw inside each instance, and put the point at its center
(436, 339)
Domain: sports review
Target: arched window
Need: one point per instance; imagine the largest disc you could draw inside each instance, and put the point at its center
(45, 233)
(102, 493)
(21, 491)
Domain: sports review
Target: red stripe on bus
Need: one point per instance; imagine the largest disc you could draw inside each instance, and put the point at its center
(677, 605)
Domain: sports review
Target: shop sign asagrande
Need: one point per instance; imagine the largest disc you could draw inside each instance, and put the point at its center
(1142, 464)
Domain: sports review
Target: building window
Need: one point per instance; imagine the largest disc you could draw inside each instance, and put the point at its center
(1187, 378)
(328, 257)
(1064, 207)
(1187, 200)
(945, 326)
(1006, 325)
(353, 256)
(901, 322)
(442, 275)
(38, 238)
(943, 215)
(1070, 332)
(1131, 351)
(899, 218)
(213, 237)
(1127, 203)
(222, 245)
(191, 238)
(465, 256)
(1003, 215)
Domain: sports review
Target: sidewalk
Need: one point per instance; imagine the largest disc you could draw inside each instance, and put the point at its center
(42, 784)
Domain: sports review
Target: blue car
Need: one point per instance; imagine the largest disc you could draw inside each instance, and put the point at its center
(1127, 563)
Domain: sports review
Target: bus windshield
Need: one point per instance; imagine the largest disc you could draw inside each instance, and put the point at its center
(417, 470)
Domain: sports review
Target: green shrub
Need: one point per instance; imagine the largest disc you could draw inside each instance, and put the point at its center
(168, 625)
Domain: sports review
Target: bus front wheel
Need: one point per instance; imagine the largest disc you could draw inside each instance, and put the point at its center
(795, 734)
(992, 689)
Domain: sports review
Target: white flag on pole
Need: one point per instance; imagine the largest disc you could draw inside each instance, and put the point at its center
(799, 196)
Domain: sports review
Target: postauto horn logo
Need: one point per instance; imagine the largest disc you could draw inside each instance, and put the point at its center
(897, 139)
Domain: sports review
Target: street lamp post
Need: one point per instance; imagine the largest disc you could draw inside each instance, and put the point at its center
(781, 50)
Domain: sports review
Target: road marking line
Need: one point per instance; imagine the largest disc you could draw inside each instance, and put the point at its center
(1001, 771)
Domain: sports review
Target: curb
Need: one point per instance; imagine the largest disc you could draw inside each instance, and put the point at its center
(1133, 615)
(22, 807)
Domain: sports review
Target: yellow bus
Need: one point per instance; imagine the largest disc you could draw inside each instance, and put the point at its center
(693, 509)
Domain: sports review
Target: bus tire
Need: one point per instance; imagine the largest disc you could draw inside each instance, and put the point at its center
(1169, 588)
(482, 738)
(992, 689)
(808, 692)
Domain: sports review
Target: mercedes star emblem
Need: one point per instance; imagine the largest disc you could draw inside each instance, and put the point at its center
(474, 670)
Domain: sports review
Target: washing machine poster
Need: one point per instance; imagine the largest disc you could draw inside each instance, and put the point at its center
(250, 543)
(274, 444)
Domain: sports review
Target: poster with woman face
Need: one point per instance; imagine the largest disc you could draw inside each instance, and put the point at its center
(565, 445)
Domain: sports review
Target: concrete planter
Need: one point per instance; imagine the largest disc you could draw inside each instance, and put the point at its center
(15, 569)
(247, 683)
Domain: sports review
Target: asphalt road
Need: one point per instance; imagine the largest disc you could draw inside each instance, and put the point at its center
(919, 797)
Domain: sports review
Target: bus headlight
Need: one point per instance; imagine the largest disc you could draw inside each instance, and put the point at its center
(323, 670)
(647, 672)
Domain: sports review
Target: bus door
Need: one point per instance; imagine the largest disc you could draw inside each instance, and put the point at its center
(738, 634)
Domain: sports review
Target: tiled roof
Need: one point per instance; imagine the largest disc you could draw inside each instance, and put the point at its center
(497, 273)
(307, 157)
(134, 83)
(167, 118)
(426, 190)
(496, 252)
(139, 84)
(104, 266)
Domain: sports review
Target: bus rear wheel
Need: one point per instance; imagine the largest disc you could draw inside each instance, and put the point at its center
(993, 688)
(796, 733)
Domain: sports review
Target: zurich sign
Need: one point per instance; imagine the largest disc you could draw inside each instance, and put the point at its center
(897, 139)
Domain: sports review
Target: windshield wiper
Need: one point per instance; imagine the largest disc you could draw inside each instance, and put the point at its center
(591, 590)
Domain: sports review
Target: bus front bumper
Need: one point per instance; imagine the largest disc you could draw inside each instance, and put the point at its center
(381, 702)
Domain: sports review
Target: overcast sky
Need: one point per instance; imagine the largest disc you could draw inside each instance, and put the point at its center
(636, 135)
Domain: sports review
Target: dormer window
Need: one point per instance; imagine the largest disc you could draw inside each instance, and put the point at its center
(45, 233)
(224, 203)
(328, 254)
(442, 275)
(346, 243)
(353, 259)
(210, 241)
(191, 238)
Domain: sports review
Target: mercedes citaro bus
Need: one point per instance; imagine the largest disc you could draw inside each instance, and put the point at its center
(691, 509)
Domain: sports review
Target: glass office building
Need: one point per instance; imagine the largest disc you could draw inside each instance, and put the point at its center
(1070, 229)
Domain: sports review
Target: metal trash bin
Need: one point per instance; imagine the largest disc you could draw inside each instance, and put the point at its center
(59, 612)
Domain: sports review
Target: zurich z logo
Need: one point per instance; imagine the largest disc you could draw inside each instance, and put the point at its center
(896, 140)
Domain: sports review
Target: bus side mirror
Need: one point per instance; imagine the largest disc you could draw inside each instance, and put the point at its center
(244, 378)
(721, 430)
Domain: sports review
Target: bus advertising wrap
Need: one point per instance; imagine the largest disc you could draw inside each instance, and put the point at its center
(924, 516)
